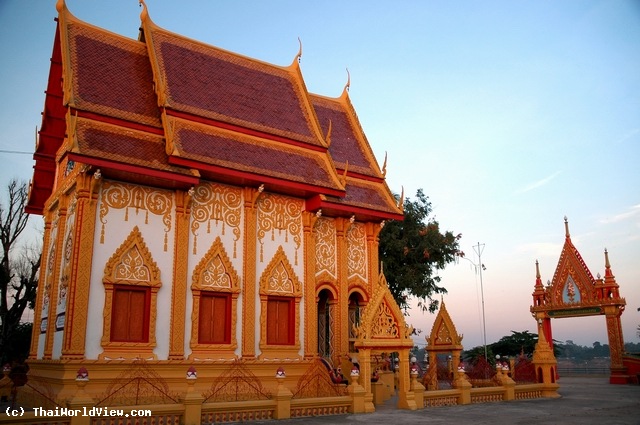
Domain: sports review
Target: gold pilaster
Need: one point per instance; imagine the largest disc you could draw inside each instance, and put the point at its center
(309, 288)
(37, 317)
(249, 273)
(373, 230)
(342, 313)
(614, 331)
(55, 282)
(87, 187)
(180, 270)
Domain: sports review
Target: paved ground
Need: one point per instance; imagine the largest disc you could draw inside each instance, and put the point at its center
(583, 401)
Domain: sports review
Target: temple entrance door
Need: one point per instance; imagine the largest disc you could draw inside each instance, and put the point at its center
(326, 339)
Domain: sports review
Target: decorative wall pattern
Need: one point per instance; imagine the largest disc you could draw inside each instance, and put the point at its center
(49, 276)
(66, 263)
(385, 324)
(220, 204)
(136, 198)
(280, 213)
(357, 251)
(326, 247)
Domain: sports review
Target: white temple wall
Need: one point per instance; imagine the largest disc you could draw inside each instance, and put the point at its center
(117, 224)
(217, 211)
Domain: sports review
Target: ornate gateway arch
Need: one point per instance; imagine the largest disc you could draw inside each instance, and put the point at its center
(574, 292)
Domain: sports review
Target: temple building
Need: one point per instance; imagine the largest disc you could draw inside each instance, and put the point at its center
(201, 207)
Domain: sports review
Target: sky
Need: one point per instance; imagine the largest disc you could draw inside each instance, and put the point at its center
(509, 115)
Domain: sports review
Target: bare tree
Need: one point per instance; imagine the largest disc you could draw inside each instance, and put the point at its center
(19, 267)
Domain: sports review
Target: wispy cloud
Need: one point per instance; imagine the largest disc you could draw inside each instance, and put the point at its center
(625, 215)
(538, 183)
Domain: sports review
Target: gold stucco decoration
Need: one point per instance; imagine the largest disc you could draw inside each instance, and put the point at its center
(129, 197)
(325, 231)
(219, 204)
(282, 214)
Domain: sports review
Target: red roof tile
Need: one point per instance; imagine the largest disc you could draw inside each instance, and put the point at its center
(347, 141)
(110, 75)
(368, 195)
(222, 148)
(216, 84)
(112, 143)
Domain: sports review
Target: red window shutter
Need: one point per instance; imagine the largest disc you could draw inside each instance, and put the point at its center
(214, 325)
(280, 320)
(130, 315)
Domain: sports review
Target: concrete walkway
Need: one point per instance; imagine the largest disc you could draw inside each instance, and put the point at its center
(583, 401)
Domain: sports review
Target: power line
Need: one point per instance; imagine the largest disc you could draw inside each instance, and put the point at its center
(16, 152)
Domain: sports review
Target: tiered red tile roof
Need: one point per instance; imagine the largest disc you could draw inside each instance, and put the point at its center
(169, 111)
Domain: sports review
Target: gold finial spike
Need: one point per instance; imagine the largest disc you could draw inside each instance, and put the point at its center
(607, 265)
(346, 86)
(145, 12)
(537, 270)
(60, 6)
(566, 227)
(401, 201)
(384, 165)
(299, 55)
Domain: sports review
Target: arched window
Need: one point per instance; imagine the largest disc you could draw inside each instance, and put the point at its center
(215, 288)
(280, 293)
(356, 304)
(131, 282)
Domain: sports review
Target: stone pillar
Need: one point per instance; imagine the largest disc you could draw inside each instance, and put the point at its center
(282, 397)
(502, 372)
(192, 400)
(405, 396)
(357, 392)
(462, 383)
(616, 344)
(417, 388)
(81, 400)
(365, 370)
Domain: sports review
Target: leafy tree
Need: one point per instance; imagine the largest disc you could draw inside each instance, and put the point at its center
(516, 343)
(18, 270)
(413, 251)
(473, 355)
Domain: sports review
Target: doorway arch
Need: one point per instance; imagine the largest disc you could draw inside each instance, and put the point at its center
(574, 292)
(326, 300)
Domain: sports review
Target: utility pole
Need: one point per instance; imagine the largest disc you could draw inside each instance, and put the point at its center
(479, 249)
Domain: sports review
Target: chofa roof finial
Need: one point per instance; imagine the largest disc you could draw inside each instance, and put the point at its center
(346, 86)
(566, 227)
